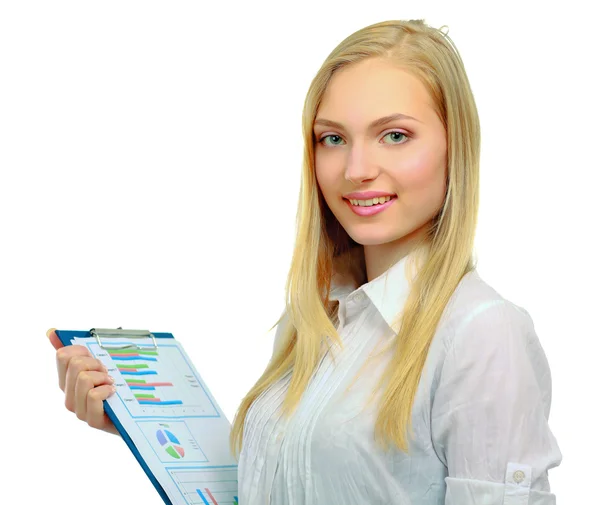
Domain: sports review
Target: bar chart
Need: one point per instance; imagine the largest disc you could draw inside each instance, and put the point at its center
(132, 364)
(175, 427)
(207, 486)
(149, 378)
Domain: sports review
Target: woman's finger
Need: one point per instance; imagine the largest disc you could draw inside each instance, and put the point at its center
(85, 383)
(64, 355)
(77, 365)
(53, 337)
(96, 417)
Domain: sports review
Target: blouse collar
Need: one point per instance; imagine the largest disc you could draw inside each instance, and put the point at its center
(388, 292)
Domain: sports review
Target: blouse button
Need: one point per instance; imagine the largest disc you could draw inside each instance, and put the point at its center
(518, 476)
(359, 297)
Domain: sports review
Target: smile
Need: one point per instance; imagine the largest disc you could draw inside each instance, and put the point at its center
(372, 201)
(371, 206)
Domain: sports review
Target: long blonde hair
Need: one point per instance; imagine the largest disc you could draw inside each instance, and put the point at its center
(322, 246)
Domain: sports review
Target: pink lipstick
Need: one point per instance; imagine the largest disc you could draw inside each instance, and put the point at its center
(371, 209)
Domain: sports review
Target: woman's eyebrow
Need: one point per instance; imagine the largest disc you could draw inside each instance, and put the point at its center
(378, 122)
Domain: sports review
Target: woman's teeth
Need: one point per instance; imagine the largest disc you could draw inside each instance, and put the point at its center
(373, 201)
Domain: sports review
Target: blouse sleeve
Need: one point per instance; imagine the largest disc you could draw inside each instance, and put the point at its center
(490, 412)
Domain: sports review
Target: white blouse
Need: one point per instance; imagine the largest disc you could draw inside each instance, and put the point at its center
(480, 416)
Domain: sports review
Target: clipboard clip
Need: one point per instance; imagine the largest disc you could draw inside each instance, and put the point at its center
(106, 333)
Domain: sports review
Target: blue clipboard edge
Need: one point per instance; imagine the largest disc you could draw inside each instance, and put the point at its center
(65, 337)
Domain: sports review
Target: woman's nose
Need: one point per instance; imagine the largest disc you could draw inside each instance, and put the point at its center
(360, 167)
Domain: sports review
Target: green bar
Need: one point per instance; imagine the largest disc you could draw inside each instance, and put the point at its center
(132, 366)
(144, 396)
(135, 381)
(132, 351)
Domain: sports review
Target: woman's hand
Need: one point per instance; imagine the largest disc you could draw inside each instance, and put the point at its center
(85, 382)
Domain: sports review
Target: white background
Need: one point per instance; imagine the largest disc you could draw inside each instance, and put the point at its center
(150, 158)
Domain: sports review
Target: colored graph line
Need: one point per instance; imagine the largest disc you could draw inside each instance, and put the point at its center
(210, 495)
(145, 386)
(201, 494)
(117, 357)
(141, 369)
(148, 384)
(146, 399)
(152, 402)
(212, 498)
(132, 372)
(131, 352)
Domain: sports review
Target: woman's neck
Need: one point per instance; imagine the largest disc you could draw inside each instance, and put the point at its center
(380, 257)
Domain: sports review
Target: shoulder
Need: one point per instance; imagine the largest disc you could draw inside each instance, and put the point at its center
(475, 303)
(485, 331)
(479, 323)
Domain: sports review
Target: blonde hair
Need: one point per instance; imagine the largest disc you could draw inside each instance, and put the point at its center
(322, 246)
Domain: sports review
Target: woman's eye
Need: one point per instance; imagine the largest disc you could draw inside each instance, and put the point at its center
(396, 136)
(334, 138)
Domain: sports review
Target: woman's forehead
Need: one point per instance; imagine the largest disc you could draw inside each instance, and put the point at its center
(367, 90)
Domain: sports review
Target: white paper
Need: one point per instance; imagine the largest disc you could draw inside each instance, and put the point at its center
(172, 418)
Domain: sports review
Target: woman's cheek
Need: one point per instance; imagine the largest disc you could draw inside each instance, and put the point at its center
(418, 171)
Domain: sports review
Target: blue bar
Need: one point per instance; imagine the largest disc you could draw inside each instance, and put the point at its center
(132, 358)
(142, 388)
(169, 402)
(202, 496)
(146, 372)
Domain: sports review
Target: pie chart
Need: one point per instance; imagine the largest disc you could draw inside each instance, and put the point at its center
(170, 443)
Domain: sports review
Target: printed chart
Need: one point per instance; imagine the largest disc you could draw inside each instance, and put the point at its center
(172, 442)
(133, 365)
(207, 486)
(174, 424)
(149, 377)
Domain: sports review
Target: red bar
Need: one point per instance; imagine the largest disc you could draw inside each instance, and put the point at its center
(210, 495)
(124, 355)
(148, 399)
(155, 384)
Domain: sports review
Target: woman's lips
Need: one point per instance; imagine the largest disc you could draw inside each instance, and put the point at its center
(372, 209)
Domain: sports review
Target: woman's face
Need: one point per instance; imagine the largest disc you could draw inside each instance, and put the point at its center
(360, 154)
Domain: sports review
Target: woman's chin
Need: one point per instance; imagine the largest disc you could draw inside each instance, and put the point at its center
(371, 237)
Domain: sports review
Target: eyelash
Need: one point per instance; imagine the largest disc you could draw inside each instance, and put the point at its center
(388, 133)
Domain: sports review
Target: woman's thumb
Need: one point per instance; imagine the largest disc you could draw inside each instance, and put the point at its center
(53, 337)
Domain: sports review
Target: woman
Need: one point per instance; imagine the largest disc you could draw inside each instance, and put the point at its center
(398, 375)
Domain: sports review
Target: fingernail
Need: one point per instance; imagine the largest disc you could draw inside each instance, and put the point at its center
(49, 331)
(111, 378)
(113, 389)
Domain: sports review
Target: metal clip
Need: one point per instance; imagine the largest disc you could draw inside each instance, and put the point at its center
(121, 333)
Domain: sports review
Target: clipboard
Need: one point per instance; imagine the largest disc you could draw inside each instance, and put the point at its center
(129, 341)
